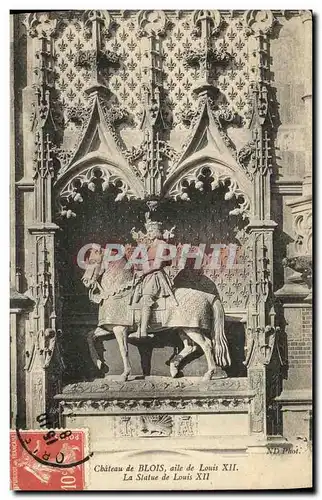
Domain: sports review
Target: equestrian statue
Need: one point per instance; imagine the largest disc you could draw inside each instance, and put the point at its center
(137, 299)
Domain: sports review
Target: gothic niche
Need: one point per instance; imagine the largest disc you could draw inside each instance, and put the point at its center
(95, 207)
(208, 211)
(98, 207)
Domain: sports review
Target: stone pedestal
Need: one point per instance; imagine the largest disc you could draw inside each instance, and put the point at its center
(185, 413)
(296, 407)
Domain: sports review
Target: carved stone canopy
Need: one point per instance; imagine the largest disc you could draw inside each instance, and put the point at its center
(206, 148)
(99, 158)
(96, 134)
(150, 48)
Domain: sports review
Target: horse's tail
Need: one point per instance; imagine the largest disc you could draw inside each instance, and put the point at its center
(219, 340)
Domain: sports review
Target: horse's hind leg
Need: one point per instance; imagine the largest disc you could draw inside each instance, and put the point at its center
(176, 361)
(91, 337)
(206, 345)
(120, 333)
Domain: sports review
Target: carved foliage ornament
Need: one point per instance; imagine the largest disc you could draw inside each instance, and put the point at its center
(162, 148)
(113, 113)
(246, 158)
(208, 404)
(206, 58)
(261, 344)
(91, 59)
(302, 225)
(259, 22)
(40, 25)
(195, 57)
(78, 114)
(43, 345)
(151, 22)
(184, 387)
(221, 112)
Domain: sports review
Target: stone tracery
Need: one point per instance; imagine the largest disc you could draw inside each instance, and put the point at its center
(96, 180)
(213, 176)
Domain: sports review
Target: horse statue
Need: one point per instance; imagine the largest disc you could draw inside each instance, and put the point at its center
(198, 315)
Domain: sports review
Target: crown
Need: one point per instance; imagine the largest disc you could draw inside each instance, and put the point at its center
(151, 224)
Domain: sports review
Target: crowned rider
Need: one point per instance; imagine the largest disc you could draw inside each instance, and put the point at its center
(153, 282)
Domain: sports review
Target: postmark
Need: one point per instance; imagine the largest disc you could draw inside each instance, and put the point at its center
(37, 465)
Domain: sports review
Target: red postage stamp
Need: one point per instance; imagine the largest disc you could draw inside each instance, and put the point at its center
(47, 460)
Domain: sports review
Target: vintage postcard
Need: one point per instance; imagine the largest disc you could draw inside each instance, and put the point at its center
(161, 250)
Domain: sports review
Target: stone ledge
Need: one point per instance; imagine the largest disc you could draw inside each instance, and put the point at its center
(215, 404)
(292, 292)
(156, 394)
(19, 300)
(291, 397)
(156, 386)
(295, 394)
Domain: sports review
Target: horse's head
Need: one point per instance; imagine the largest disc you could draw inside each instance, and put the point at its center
(94, 266)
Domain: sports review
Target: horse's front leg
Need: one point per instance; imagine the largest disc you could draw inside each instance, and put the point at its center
(91, 337)
(120, 333)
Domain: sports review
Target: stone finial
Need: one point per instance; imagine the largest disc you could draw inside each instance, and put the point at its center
(259, 22)
(151, 22)
(40, 25)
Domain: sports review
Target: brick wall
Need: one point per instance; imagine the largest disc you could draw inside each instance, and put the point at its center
(300, 345)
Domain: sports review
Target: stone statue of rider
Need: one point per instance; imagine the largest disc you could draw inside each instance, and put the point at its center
(151, 282)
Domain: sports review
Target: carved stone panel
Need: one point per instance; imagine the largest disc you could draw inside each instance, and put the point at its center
(155, 425)
(257, 414)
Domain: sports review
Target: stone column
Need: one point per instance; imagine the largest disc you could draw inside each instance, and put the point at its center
(295, 401)
(298, 285)
(307, 98)
(152, 122)
(42, 360)
(20, 305)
